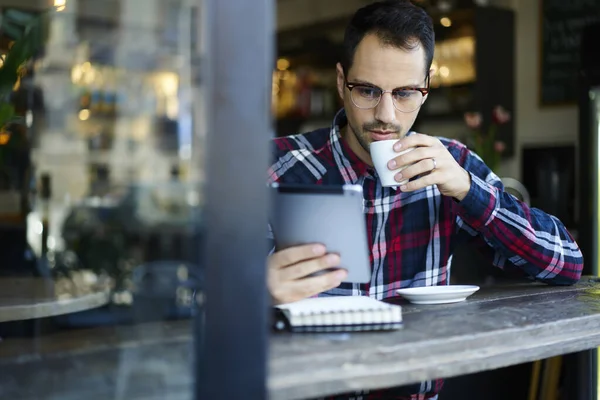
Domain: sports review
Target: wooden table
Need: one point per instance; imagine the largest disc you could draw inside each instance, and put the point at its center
(30, 298)
(494, 328)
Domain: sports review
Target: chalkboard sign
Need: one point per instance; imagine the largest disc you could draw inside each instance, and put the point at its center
(562, 23)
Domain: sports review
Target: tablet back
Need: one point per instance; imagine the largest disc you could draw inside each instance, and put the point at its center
(331, 215)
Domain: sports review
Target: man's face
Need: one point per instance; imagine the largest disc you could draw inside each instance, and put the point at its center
(388, 68)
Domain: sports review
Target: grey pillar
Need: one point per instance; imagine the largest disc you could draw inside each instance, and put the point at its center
(232, 351)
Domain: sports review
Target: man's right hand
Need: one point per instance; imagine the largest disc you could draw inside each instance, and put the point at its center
(288, 272)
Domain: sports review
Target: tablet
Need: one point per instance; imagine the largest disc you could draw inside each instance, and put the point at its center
(331, 215)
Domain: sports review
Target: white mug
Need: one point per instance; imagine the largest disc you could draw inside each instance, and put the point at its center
(382, 151)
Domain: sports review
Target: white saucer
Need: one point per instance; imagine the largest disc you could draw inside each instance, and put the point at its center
(438, 294)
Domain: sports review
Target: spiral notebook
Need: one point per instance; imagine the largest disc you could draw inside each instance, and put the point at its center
(337, 314)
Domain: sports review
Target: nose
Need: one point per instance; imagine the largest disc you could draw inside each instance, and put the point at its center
(385, 110)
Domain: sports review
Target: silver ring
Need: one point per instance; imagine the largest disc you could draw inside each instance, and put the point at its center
(434, 164)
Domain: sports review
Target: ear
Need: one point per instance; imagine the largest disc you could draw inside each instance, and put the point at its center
(340, 80)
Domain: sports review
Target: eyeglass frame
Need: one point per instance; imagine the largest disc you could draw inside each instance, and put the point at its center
(424, 91)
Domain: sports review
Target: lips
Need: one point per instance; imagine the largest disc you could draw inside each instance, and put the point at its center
(382, 135)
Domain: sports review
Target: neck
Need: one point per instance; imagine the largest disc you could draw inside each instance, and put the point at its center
(350, 138)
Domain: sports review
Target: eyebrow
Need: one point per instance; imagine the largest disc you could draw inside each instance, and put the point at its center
(362, 81)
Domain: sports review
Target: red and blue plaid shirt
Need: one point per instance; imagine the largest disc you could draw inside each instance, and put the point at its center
(412, 235)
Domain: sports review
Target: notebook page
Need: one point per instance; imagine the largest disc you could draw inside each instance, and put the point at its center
(334, 304)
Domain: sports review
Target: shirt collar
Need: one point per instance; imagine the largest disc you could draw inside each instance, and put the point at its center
(350, 165)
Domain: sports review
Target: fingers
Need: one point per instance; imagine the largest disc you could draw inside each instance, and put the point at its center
(289, 270)
(418, 154)
(306, 268)
(422, 167)
(294, 255)
(416, 140)
(424, 181)
(300, 289)
(450, 178)
(318, 284)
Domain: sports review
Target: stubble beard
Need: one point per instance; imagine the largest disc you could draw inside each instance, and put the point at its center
(360, 137)
(363, 137)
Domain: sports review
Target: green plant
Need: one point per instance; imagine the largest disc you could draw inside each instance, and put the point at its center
(26, 33)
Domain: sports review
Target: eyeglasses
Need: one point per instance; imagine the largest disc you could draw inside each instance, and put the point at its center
(405, 100)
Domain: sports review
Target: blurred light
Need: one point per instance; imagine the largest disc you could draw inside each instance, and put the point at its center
(39, 228)
(283, 64)
(172, 110)
(169, 82)
(285, 75)
(182, 273)
(29, 118)
(123, 297)
(185, 152)
(4, 138)
(446, 22)
(127, 297)
(444, 5)
(89, 277)
(76, 74)
(84, 114)
(89, 76)
(193, 198)
(51, 243)
(60, 4)
(444, 71)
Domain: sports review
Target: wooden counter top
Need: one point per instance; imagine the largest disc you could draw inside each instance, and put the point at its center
(495, 327)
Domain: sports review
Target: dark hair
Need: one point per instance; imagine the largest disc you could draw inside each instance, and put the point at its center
(397, 23)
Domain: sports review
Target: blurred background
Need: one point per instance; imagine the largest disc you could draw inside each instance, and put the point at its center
(102, 131)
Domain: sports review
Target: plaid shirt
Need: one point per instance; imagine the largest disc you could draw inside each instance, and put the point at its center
(412, 235)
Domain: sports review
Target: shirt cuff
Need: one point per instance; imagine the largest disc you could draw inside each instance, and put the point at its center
(479, 206)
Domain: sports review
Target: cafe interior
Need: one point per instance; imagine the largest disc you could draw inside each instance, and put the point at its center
(133, 144)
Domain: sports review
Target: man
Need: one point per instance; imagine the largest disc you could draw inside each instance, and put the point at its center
(452, 196)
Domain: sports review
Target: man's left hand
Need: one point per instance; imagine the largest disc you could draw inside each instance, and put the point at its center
(451, 179)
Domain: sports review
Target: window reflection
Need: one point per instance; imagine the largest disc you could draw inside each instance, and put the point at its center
(100, 199)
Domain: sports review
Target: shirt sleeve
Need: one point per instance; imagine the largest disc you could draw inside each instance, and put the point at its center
(535, 242)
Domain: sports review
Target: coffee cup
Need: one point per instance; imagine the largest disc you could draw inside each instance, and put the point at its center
(382, 151)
